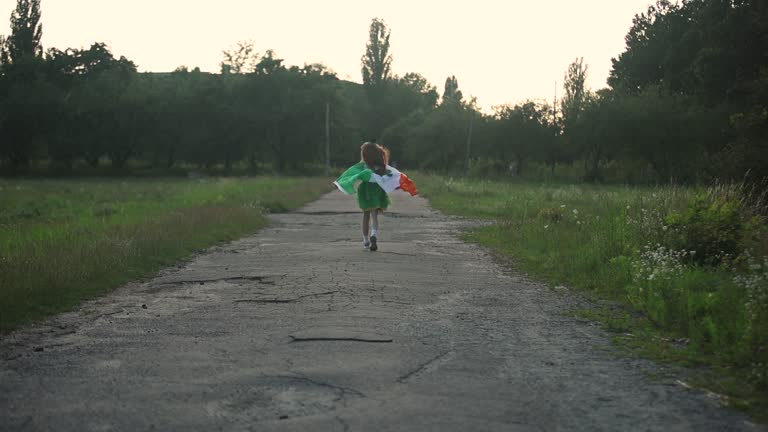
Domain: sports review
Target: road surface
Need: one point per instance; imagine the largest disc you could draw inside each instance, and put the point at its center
(297, 328)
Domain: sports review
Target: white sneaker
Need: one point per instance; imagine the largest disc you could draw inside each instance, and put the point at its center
(366, 245)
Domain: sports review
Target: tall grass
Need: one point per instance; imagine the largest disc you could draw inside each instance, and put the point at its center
(691, 262)
(65, 241)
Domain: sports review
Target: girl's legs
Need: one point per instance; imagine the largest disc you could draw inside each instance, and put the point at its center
(374, 229)
(366, 217)
(375, 222)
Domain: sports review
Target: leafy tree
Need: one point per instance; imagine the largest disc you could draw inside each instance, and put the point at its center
(26, 31)
(377, 75)
(746, 155)
(523, 133)
(437, 139)
(652, 34)
(668, 132)
(588, 134)
(269, 64)
(91, 114)
(424, 94)
(24, 93)
(576, 92)
(241, 58)
(5, 56)
(377, 61)
(349, 122)
(452, 95)
(709, 48)
(87, 63)
(402, 99)
(712, 51)
(27, 111)
(567, 145)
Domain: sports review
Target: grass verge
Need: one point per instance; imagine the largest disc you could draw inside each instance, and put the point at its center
(684, 270)
(66, 241)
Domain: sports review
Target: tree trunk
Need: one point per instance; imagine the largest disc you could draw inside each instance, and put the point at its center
(252, 161)
(119, 159)
(171, 159)
(93, 161)
(593, 173)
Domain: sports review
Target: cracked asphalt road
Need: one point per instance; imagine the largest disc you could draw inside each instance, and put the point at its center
(298, 328)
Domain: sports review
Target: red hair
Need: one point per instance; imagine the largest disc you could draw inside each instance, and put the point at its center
(375, 156)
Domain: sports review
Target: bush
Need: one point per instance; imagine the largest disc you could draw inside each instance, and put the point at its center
(754, 279)
(711, 228)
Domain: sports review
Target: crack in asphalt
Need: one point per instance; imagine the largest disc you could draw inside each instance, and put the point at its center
(290, 300)
(326, 213)
(261, 279)
(331, 338)
(397, 253)
(423, 366)
(302, 377)
(344, 424)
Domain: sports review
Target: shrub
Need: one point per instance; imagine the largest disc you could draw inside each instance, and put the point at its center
(754, 278)
(712, 228)
(655, 290)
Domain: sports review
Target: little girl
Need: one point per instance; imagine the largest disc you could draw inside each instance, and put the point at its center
(377, 179)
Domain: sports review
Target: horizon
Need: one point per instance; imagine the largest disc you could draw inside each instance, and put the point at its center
(485, 56)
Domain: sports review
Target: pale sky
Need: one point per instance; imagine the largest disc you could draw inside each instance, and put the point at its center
(500, 51)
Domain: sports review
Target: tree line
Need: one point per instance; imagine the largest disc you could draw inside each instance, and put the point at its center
(685, 102)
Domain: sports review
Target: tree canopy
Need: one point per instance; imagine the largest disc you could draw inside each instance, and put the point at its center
(686, 102)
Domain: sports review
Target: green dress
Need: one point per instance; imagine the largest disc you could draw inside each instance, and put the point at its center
(371, 196)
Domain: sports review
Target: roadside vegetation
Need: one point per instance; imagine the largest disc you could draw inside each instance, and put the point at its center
(683, 270)
(64, 241)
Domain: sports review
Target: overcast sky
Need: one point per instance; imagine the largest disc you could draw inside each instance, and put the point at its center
(500, 51)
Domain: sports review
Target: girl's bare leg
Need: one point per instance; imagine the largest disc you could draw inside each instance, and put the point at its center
(374, 230)
(366, 226)
(375, 222)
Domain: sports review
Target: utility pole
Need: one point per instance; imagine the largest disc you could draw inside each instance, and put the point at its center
(327, 138)
(469, 140)
(554, 106)
(554, 128)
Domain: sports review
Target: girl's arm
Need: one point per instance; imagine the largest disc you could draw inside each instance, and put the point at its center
(346, 181)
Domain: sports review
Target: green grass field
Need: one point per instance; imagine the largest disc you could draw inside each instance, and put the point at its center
(63, 241)
(683, 270)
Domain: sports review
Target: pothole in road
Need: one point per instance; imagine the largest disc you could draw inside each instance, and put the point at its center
(281, 397)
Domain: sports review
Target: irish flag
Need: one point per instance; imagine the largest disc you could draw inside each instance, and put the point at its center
(393, 179)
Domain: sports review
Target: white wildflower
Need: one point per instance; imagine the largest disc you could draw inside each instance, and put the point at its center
(658, 263)
(755, 281)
